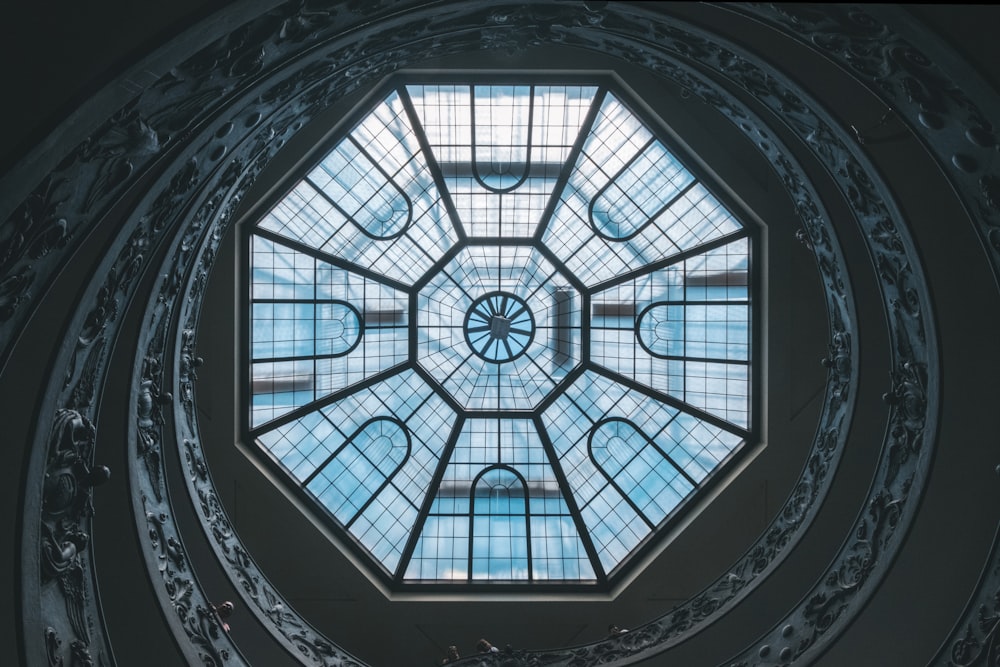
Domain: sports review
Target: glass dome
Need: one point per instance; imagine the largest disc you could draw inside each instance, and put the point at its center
(500, 333)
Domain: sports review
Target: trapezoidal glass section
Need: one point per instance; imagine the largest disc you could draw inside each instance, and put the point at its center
(500, 334)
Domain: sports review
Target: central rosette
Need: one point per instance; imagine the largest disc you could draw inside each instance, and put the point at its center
(498, 327)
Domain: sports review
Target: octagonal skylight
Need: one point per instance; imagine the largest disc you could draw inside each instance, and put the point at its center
(500, 334)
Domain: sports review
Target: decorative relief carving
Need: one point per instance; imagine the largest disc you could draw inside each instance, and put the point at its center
(35, 228)
(93, 177)
(149, 423)
(727, 589)
(67, 507)
(14, 290)
(127, 139)
(902, 284)
(974, 643)
(199, 252)
(196, 85)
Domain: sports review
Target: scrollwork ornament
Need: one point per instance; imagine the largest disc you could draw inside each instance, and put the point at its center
(194, 89)
(731, 587)
(904, 293)
(67, 506)
(52, 646)
(149, 423)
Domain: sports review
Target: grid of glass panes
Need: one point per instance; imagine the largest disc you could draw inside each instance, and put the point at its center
(316, 329)
(371, 201)
(444, 350)
(662, 455)
(683, 330)
(338, 400)
(377, 496)
(501, 148)
(609, 221)
(500, 494)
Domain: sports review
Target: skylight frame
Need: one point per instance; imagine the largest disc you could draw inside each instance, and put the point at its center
(604, 578)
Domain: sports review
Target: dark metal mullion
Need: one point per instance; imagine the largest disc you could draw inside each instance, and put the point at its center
(350, 217)
(527, 517)
(560, 267)
(612, 179)
(671, 401)
(390, 180)
(544, 373)
(503, 241)
(542, 283)
(670, 459)
(331, 259)
(709, 360)
(442, 393)
(684, 332)
(388, 478)
(475, 163)
(333, 397)
(673, 259)
(307, 357)
(379, 490)
(662, 453)
(673, 200)
(412, 344)
(311, 476)
(425, 507)
(570, 164)
(325, 301)
(315, 327)
(512, 415)
(472, 533)
(329, 200)
(527, 161)
(437, 267)
(625, 496)
(432, 164)
(555, 394)
(649, 220)
(570, 500)
(700, 302)
(458, 366)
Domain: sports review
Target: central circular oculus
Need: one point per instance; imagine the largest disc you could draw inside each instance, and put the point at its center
(499, 327)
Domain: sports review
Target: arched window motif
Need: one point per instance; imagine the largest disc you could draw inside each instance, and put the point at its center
(358, 470)
(641, 472)
(660, 329)
(501, 136)
(501, 148)
(684, 329)
(356, 184)
(313, 328)
(704, 331)
(499, 529)
(338, 328)
(649, 184)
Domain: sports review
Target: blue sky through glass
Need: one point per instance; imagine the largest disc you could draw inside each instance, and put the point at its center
(500, 333)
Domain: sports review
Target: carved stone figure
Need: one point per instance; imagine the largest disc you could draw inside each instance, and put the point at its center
(66, 503)
(149, 420)
(70, 474)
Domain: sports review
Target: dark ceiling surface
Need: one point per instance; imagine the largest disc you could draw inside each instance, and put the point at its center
(54, 61)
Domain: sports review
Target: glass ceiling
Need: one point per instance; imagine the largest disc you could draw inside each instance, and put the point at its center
(500, 333)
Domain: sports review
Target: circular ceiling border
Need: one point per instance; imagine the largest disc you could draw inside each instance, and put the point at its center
(913, 403)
